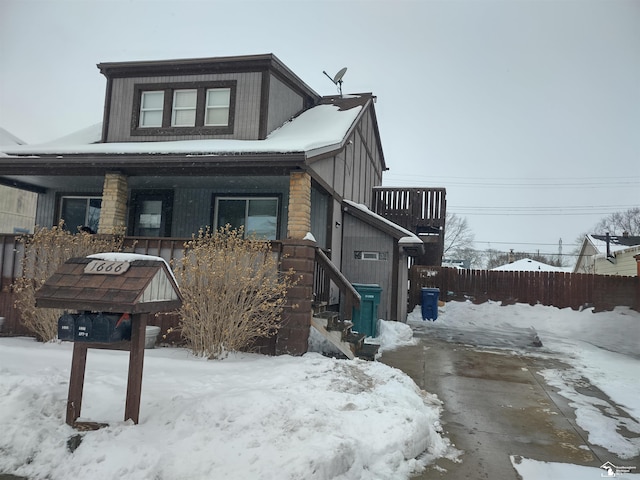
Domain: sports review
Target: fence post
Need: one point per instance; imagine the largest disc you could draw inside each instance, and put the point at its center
(637, 257)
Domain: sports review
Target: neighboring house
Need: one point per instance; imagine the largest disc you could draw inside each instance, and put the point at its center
(17, 207)
(186, 144)
(609, 255)
(528, 265)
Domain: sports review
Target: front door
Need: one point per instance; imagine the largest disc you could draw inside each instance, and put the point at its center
(150, 213)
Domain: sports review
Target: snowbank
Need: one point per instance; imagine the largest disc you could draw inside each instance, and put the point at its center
(247, 417)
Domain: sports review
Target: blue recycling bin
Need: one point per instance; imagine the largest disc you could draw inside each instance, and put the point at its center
(429, 299)
(365, 318)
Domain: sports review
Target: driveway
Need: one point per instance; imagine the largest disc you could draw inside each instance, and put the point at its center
(496, 405)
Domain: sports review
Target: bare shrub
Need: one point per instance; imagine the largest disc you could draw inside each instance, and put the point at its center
(45, 251)
(233, 291)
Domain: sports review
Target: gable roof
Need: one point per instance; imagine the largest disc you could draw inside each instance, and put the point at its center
(7, 138)
(529, 265)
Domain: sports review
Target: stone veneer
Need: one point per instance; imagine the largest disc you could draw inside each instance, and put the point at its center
(113, 213)
(299, 205)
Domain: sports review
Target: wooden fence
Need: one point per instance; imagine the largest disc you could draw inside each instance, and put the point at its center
(559, 289)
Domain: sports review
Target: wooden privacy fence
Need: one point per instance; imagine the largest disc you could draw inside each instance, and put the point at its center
(558, 289)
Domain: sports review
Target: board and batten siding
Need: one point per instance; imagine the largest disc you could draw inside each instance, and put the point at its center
(247, 108)
(358, 236)
(357, 168)
(319, 216)
(284, 104)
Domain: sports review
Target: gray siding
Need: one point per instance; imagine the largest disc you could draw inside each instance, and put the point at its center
(193, 208)
(319, 212)
(284, 103)
(358, 236)
(45, 210)
(247, 112)
(353, 172)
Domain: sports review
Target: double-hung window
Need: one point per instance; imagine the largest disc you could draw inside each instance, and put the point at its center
(258, 215)
(184, 108)
(193, 108)
(151, 106)
(217, 107)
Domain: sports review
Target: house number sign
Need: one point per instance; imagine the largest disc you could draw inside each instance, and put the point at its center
(104, 267)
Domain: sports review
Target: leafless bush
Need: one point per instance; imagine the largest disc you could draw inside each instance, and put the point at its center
(233, 291)
(44, 252)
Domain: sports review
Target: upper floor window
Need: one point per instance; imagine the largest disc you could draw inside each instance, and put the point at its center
(217, 106)
(184, 108)
(151, 106)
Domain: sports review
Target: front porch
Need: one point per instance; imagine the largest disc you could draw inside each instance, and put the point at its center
(310, 296)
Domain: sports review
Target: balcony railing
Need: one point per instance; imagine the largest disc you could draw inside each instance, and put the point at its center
(420, 210)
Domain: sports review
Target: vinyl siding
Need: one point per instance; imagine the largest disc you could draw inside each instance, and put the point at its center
(247, 112)
(358, 236)
(284, 104)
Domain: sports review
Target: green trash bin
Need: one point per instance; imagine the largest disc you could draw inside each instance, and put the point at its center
(365, 318)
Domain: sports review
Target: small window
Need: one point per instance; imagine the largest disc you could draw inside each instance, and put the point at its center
(151, 106)
(184, 108)
(217, 107)
(258, 215)
(77, 212)
(371, 256)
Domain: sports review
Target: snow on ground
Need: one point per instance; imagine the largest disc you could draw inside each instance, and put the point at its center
(256, 417)
(602, 349)
(246, 417)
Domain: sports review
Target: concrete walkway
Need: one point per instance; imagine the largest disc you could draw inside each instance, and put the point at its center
(496, 405)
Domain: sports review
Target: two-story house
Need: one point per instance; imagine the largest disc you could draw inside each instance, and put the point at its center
(186, 144)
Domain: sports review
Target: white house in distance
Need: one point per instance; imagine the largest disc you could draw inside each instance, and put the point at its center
(17, 207)
(528, 265)
(609, 255)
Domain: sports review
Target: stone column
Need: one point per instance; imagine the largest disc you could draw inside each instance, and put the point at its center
(299, 223)
(293, 336)
(113, 214)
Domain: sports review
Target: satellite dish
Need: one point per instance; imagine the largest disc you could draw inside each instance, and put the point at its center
(337, 79)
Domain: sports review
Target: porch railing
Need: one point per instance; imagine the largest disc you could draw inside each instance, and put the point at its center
(12, 253)
(326, 271)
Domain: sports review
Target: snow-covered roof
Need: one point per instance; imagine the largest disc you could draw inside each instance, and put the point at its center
(528, 265)
(616, 243)
(319, 129)
(406, 238)
(8, 139)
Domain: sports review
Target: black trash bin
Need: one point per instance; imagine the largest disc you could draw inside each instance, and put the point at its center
(430, 303)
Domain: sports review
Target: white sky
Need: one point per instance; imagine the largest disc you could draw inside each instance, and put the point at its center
(528, 112)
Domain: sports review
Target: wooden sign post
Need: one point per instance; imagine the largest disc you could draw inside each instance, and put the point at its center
(131, 288)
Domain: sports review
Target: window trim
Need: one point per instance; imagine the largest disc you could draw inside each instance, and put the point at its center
(142, 94)
(166, 196)
(60, 196)
(175, 109)
(167, 114)
(244, 196)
